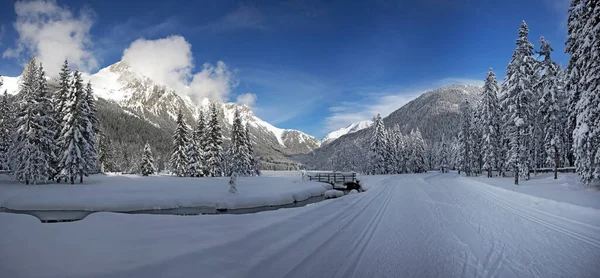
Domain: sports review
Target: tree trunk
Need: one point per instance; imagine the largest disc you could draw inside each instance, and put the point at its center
(72, 180)
(516, 176)
(489, 172)
(555, 162)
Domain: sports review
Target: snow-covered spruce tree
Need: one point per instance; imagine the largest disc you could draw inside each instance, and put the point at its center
(106, 157)
(90, 125)
(518, 116)
(444, 156)
(32, 148)
(5, 131)
(464, 138)
(72, 142)
(214, 154)
(179, 158)
(397, 151)
(254, 160)
(580, 53)
(549, 108)
(147, 164)
(377, 150)
(476, 157)
(240, 158)
(390, 152)
(490, 123)
(232, 183)
(202, 143)
(194, 154)
(417, 157)
(60, 100)
(584, 82)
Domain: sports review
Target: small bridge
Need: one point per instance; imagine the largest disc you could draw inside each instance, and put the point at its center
(331, 177)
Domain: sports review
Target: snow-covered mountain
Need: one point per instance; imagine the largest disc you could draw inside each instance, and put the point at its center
(159, 104)
(435, 113)
(128, 96)
(354, 127)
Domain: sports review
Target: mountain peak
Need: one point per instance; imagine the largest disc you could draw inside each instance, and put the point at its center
(354, 127)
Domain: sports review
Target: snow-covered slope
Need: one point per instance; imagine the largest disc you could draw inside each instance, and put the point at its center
(345, 130)
(126, 95)
(155, 102)
(435, 113)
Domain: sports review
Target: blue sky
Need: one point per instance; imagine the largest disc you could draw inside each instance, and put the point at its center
(312, 65)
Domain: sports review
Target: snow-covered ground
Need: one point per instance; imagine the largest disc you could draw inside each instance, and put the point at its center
(566, 188)
(132, 192)
(422, 225)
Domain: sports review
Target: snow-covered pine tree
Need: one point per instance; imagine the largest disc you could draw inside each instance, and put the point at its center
(61, 96)
(490, 122)
(90, 125)
(147, 164)
(232, 183)
(202, 137)
(5, 131)
(32, 148)
(464, 138)
(444, 156)
(476, 157)
(106, 157)
(60, 100)
(45, 118)
(518, 91)
(397, 151)
(417, 158)
(584, 83)
(179, 158)
(240, 158)
(391, 152)
(72, 142)
(194, 151)
(549, 108)
(377, 150)
(579, 14)
(214, 154)
(254, 160)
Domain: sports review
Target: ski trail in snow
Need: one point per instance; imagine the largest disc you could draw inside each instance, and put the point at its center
(358, 250)
(428, 225)
(522, 212)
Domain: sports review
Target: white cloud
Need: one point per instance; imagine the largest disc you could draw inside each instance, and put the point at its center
(248, 99)
(52, 33)
(243, 17)
(214, 82)
(169, 61)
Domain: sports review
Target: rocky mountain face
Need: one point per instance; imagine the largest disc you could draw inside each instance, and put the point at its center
(434, 113)
(134, 109)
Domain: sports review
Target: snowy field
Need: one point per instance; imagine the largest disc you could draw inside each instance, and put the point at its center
(421, 225)
(132, 193)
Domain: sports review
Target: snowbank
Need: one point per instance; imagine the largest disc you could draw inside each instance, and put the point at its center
(132, 193)
(566, 189)
(333, 194)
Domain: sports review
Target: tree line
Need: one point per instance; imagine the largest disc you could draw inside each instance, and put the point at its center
(199, 152)
(49, 136)
(545, 116)
(541, 116)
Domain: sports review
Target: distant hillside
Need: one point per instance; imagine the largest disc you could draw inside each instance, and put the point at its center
(435, 113)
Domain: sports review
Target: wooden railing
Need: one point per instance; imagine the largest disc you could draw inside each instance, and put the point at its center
(332, 177)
